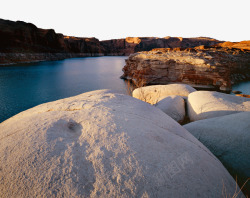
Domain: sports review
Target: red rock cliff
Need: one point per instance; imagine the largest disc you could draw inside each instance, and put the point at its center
(212, 67)
(26, 37)
(135, 44)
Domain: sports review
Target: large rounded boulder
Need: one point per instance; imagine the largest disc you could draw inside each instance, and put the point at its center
(228, 138)
(102, 144)
(153, 94)
(210, 104)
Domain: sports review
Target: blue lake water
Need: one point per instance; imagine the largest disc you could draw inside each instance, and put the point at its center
(244, 87)
(27, 85)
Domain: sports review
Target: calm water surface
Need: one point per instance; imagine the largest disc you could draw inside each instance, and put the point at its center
(25, 86)
(244, 87)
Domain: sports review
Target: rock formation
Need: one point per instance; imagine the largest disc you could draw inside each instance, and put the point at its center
(206, 67)
(210, 104)
(102, 144)
(228, 138)
(21, 37)
(173, 106)
(136, 44)
(243, 45)
(155, 93)
(19, 40)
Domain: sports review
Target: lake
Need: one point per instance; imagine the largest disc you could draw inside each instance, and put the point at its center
(244, 87)
(27, 85)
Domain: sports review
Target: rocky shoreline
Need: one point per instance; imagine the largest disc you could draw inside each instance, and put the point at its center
(105, 144)
(214, 67)
(218, 120)
(165, 141)
(17, 58)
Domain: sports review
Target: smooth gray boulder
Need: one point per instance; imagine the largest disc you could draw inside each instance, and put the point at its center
(174, 106)
(210, 104)
(228, 138)
(153, 94)
(102, 144)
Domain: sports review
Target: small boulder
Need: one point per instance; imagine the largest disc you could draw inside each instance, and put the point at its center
(174, 106)
(153, 94)
(228, 138)
(209, 104)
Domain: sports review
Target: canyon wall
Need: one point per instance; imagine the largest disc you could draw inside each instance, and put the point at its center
(131, 45)
(22, 42)
(217, 64)
(206, 67)
(24, 37)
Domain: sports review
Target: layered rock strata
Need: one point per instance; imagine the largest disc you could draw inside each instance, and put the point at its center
(21, 37)
(206, 67)
(131, 45)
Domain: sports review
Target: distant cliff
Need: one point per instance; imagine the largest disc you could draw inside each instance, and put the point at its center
(23, 42)
(208, 67)
(136, 44)
(25, 37)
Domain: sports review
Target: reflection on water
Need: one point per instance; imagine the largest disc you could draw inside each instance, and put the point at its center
(27, 85)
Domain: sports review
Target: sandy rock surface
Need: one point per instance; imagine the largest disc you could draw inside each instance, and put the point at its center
(153, 94)
(209, 104)
(102, 144)
(228, 138)
(174, 106)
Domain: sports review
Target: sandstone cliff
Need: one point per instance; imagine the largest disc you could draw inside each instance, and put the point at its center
(206, 67)
(27, 38)
(243, 45)
(22, 42)
(131, 45)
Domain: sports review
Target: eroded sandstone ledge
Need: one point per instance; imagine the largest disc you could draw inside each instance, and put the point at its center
(214, 67)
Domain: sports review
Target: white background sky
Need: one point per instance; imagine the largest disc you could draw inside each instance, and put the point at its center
(227, 20)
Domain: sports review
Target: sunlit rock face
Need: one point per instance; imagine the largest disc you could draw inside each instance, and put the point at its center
(214, 68)
(228, 138)
(131, 45)
(243, 45)
(102, 144)
(209, 104)
(26, 37)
